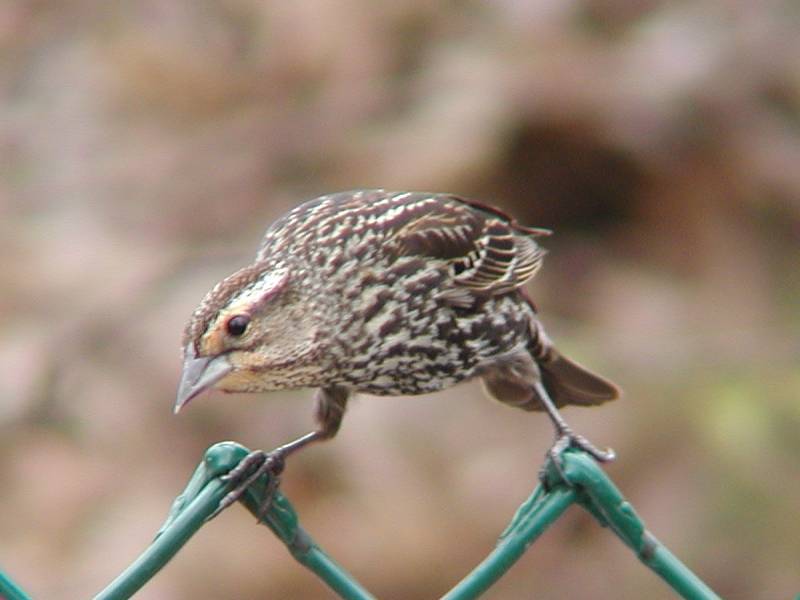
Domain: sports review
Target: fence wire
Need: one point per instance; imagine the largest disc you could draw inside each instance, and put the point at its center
(579, 481)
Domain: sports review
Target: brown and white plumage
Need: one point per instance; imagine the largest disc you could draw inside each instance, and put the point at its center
(388, 293)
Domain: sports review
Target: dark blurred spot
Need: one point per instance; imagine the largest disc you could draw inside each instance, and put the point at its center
(566, 178)
(783, 100)
(611, 18)
(412, 36)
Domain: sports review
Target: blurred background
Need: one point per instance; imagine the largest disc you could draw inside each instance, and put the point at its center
(145, 146)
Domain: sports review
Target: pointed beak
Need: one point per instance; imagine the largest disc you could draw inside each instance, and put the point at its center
(199, 374)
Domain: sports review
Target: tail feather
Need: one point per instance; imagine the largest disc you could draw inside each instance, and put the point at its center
(510, 380)
(570, 383)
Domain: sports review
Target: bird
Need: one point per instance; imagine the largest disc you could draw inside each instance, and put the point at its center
(387, 293)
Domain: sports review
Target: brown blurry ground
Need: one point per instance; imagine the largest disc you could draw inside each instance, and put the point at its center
(144, 148)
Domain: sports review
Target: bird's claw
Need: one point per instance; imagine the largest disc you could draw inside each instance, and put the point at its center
(580, 442)
(568, 439)
(247, 472)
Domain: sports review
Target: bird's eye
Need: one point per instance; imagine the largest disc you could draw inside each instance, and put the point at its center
(237, 325)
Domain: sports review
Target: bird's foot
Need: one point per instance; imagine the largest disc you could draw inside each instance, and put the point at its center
(250, 469)
(568, 439)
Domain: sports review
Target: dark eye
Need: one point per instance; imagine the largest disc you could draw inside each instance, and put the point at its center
(237, 325)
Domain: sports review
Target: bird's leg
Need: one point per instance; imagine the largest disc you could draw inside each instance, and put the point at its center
(565, 437)
(331, 404)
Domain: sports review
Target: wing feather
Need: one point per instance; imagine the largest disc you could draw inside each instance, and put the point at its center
(486, 252)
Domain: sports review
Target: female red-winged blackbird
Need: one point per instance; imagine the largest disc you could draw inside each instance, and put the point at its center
(387, 293)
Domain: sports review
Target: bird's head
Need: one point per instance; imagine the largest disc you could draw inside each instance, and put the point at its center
(241, 334)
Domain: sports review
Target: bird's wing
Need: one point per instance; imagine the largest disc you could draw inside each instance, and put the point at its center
(485, 251)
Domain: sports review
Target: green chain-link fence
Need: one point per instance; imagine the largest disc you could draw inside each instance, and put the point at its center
(579, 481)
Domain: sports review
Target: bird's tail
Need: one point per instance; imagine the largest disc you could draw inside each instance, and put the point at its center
(511, 379)
(567, 382)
